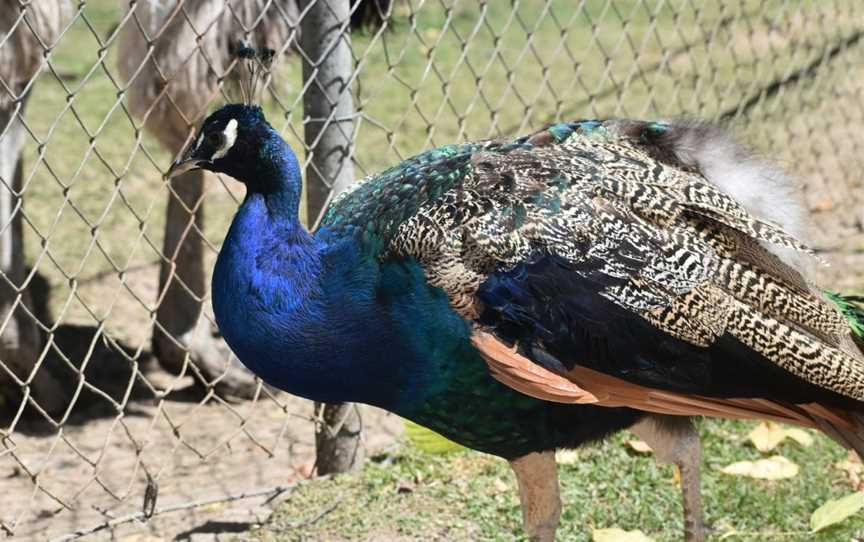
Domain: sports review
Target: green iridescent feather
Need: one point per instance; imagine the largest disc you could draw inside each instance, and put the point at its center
(852, 307)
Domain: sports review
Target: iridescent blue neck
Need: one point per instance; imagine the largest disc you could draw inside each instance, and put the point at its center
(275, 175)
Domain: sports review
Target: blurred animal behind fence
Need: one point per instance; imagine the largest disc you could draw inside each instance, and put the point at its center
(170, 88)
(27, 33)
(175, 56)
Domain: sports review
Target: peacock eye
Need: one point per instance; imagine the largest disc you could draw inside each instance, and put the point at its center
(214, 140)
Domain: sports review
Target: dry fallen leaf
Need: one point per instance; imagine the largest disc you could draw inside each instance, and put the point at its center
(836, 510)
(639, 446)
(822, 205)
(566, 457)
(676, 475)
(214, 507)
(773, 468)
(501, 486)
(800, 436)
(615, 534)
(768, 435)
(852, 467)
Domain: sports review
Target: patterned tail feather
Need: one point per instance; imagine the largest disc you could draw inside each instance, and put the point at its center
(706, 200)
(735, 245)
(801, 355)
(752, 286)
(699, 317)
(750, 251)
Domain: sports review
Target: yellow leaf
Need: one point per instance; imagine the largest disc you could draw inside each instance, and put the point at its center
(639, 446)
(800, 436)
(501, 486)
(836, 510)
(852, 467)
(772, 468)
(566, 457)
(767, 435)
(214, 507)
(615, 534)
(729, 534)
(848, 466)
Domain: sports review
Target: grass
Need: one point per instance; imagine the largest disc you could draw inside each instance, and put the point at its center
(409, 495)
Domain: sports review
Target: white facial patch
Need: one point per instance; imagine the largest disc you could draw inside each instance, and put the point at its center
(229, 136)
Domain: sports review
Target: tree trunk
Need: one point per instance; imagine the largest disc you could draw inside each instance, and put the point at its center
(328, 105)
(338, 444)
(181, 275)
(20, 341)
(328, 109)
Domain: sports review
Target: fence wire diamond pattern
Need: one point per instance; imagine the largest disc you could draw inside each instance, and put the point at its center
(114, 383)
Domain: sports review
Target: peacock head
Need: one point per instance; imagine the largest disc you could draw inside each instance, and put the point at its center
(238, 141)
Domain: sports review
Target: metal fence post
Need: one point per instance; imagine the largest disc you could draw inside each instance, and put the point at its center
(328, 131)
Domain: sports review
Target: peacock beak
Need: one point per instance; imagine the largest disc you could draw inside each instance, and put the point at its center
(188, 160)
(182, 165)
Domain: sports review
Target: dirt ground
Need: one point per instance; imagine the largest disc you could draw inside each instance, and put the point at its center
(193, 447)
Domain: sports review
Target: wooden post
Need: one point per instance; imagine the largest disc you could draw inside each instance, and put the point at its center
(328, 108)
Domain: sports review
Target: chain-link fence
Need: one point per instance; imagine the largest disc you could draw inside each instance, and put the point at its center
(114, 383)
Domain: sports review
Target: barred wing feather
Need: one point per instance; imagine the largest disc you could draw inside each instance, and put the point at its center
(552, 243)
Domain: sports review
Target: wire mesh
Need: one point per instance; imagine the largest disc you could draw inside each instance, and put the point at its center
(97, 409)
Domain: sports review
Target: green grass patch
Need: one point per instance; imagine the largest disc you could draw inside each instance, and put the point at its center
(410, 495)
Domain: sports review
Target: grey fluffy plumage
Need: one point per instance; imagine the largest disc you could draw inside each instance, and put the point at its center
(765, 190)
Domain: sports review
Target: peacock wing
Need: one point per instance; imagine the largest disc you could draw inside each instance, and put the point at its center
(582, 249)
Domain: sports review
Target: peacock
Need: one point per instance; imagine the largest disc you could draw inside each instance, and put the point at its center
(524, 295)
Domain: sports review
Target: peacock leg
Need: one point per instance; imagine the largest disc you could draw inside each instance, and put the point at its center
(537, 476)
(675, 440)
